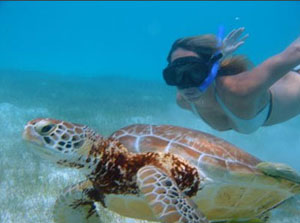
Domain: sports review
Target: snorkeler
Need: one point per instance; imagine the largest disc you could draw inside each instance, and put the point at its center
(234, 96)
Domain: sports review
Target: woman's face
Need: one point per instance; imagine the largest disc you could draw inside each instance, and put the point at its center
(191, 94)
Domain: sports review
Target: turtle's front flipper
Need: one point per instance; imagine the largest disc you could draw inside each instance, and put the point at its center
(76, 205)
(279, 170)
(165, 198)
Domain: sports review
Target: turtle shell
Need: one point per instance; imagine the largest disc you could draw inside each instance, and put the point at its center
(231, 186)
(195, 146)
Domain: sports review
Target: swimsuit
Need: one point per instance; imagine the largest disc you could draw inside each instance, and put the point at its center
(297, 68)
(248, 125)
(245, 126)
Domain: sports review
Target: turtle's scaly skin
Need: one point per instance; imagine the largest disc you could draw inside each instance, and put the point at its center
(209, 176)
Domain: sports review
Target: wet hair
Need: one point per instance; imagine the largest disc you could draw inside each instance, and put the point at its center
(205, 46)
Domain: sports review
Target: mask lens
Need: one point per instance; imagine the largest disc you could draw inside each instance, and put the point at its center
(169, 75)
(185, 72)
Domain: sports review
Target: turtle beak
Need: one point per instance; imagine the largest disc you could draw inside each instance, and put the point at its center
(30, 135)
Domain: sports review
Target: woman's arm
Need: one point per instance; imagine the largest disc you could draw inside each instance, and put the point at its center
(258, 80)
(248, 92)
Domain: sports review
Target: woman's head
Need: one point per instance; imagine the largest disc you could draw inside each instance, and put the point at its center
(191, 59)
(202, 46)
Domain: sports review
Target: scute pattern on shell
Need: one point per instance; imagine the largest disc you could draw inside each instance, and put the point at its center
(193, 145)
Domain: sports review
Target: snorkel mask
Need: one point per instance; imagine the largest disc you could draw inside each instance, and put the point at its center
(186, 72)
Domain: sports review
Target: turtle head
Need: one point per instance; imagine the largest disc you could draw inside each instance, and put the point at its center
(65, 143)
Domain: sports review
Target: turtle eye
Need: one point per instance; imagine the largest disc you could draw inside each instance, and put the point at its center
(45, 129)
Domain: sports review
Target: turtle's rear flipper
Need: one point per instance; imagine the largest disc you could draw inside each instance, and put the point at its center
(74, 205)
(279, 170)
(165, 198)
(264, 218)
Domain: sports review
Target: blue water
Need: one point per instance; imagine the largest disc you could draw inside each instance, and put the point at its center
(131, 38)
(99, 63)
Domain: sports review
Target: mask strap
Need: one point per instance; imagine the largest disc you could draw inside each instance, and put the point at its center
(215, 59)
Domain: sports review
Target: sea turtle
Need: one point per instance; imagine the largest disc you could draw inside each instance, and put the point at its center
(160, 173)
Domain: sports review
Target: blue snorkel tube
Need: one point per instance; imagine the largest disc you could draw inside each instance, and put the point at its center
(215, 67)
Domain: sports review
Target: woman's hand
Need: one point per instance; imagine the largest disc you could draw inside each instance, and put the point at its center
(232, 42)
(292, 52)
(296, 44)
